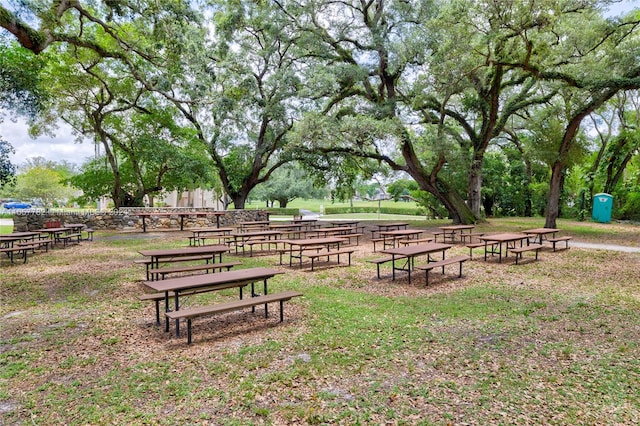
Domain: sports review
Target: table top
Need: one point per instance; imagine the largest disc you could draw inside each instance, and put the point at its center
(333, 229)
(541, 231)
(53, 230)
(22, 234)
(418, 249)
(314, 241)
(455, 227)
(344, 222)
(219, 278)
(505, 237)
(401, 232)
(391, 225)
(263, 233)
(213, 230)
(185, 251)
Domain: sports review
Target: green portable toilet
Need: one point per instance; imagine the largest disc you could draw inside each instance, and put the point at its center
(602, 205)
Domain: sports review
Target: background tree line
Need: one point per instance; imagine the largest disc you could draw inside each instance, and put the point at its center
(489, 107)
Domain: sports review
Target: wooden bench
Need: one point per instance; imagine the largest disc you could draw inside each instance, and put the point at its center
(11, 251)
(158, 297)
(379, 261)
(162, 272)
(35, 244)
(318, 254)
(148, 262)
(472, 246)
(190, 314)
(520, 250)
(415, 241)
(556, 240)
(89, 232)
(69, 238)
(442, 263)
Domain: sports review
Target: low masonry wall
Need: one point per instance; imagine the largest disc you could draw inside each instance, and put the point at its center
(127, 219)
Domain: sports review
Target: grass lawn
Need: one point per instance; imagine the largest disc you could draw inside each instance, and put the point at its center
(549, 342)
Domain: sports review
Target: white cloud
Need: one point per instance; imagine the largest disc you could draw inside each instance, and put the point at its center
(62, 146)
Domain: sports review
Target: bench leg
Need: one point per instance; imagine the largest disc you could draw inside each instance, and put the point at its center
(157, 312)
(281, 310)
(188, 331)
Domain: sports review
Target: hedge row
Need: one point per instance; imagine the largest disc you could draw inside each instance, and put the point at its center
(345, 210)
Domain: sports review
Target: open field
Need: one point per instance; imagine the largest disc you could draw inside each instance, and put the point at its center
(548, 342)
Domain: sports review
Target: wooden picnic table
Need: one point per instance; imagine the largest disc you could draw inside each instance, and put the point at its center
(390, 238)
(392, 226)
(180, 214)
(541, 233)
(203, 233)
(408, 254)
(240, 239)
(451, 230)
(9, 239)
(298, 246)
(508, 239)
(209, 282)
(332, 231)
(340, 223)
(158, 255)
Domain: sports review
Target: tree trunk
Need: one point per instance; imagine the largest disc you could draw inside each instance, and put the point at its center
(239, 200)
(555, 186)
(475, 184)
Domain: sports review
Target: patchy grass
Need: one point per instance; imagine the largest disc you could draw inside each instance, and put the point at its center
(547, 342)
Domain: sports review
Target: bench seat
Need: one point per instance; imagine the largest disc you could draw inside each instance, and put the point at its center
(35, 244)
(69, 238)
(380, 260)
(472, 246)
(162, 272)
(148, 262)
(11, 251)
(315, 256)
(190, 314)
(442, 263)
(556, 240)
(415, 241)
(520, 250)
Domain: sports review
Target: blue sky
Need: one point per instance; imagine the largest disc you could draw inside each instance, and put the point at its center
(64, 146)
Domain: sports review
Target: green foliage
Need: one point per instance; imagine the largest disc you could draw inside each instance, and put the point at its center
(7, 170)
(20, 89)
(631, 208)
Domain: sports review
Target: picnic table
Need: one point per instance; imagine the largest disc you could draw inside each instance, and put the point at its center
(158, 256)
(240, 278)
(391, 238)
(328, 246)
(251, 238)
(388, 227)
(7, 240)
(180, 214)
(508, 239)
(451, 230)
(199, 235)
(408, 254)
(541, 233)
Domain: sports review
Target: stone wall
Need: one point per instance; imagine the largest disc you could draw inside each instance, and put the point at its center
(127, 219)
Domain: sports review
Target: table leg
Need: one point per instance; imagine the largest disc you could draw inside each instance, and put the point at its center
(144, 224)
(177, 307)
(166, 309)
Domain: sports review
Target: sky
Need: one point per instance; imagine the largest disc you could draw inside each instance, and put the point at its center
(64, 146)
